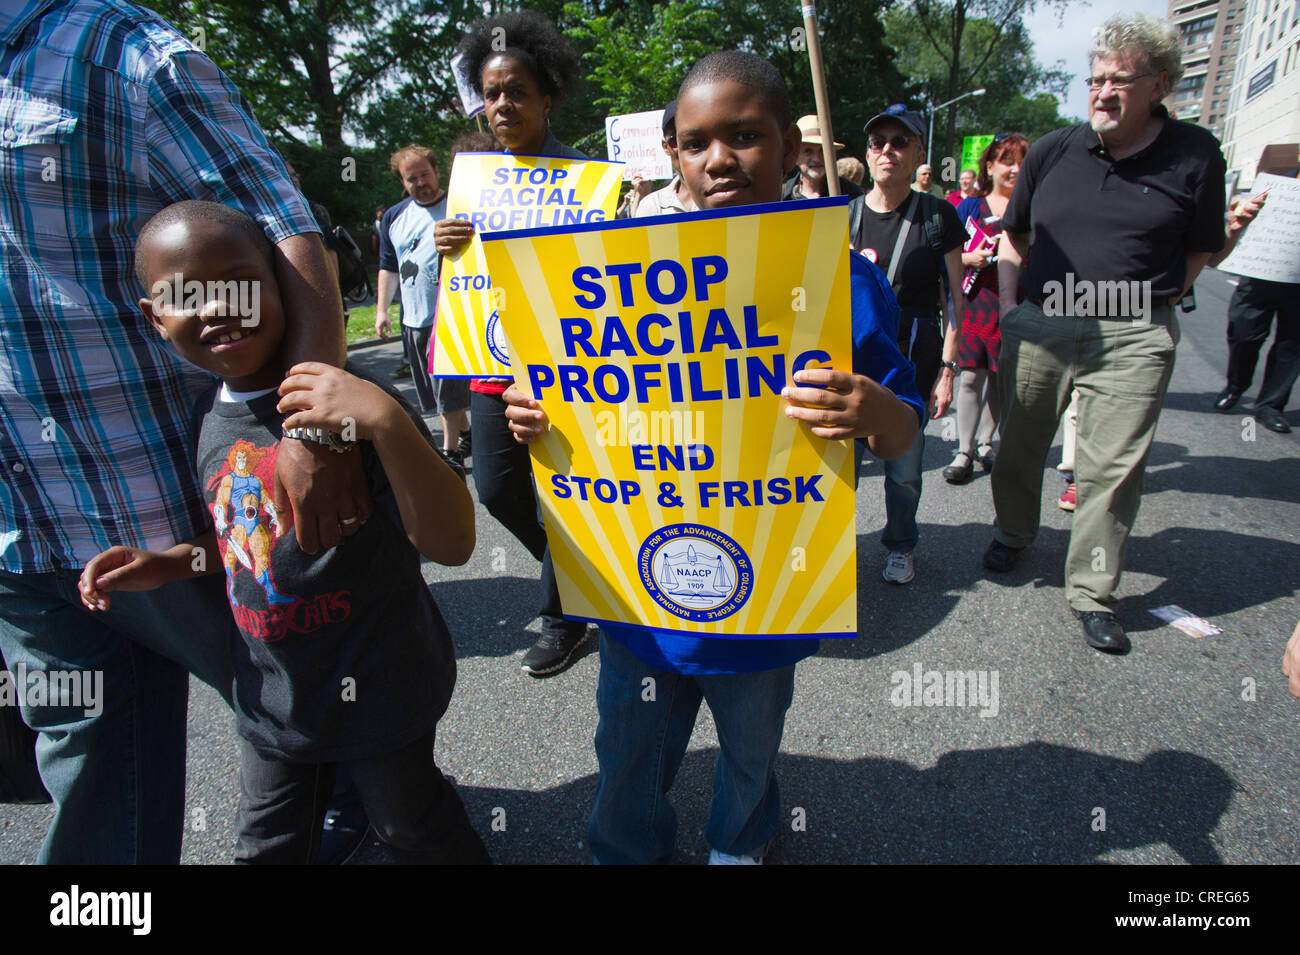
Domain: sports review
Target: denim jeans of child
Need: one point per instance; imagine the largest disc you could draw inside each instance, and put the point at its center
(642, 736)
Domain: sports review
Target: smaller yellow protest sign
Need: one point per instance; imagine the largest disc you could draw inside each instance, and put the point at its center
(677, 494)
(498, 192)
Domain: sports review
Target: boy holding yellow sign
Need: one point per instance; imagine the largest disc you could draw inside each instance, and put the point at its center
(734, 141)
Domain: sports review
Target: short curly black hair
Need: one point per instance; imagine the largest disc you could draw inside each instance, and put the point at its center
(749, 70)
(198, 210)
(528, 37)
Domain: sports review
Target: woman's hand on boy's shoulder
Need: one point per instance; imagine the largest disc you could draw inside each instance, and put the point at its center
(316, 395)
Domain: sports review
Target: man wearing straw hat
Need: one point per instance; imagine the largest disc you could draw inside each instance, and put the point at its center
(809, 182)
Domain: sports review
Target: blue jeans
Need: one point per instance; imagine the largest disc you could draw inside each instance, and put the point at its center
(921, 342)
(117, 776)
(903, 497)
(640, 744)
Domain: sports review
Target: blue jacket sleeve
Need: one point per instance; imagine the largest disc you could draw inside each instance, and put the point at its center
(875, 334)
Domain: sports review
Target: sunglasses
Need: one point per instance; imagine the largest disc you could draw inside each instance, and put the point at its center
(900, 142)
(1001, 136)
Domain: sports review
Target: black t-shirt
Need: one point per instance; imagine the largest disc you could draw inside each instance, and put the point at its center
(1107, 220)
(343, 653)
(918, 279)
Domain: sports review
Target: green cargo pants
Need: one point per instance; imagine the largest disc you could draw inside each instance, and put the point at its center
(1122, 369)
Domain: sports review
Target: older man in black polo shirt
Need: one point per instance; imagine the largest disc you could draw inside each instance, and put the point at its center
(1125, 211)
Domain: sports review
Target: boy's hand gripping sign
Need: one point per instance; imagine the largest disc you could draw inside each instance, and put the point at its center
(676, 492)
(498, 192)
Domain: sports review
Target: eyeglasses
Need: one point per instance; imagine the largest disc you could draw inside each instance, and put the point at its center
(900, 142)
(1116, 82)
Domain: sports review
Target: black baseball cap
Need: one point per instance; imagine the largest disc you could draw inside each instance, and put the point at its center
(901, 114)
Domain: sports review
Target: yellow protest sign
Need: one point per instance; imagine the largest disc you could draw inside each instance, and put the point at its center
(677, 495)
(497, 192)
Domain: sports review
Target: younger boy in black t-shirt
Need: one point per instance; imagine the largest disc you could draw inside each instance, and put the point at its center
(344, 657)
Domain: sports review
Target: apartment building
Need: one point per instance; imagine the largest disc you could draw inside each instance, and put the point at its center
(1264, 107)
(1212, 36)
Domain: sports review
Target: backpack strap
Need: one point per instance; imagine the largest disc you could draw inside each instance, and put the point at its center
(929, 210)
(928, 207)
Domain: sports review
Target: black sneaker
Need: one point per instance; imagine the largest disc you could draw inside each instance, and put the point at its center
(1000, 558)
(454, 461)
(553, 653)
(463, 446)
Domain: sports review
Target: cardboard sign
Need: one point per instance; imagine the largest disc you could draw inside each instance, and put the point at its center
(1269, 248)
(677, 494)
(637, 140)
(470, 101)
(496, 192)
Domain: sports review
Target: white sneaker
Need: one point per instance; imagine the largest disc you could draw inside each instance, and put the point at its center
(899, 569)
(723, 858)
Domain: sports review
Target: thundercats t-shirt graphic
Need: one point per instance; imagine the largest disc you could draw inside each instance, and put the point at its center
(245, 517)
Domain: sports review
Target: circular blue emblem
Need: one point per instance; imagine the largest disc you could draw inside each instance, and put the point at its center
(695, 572)
(496, 340)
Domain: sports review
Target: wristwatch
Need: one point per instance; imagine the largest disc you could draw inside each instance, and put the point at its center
(330, 439)
(950, 364)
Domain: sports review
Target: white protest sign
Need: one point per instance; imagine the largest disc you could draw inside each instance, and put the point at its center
(1270, 247)
(637, 139)
(472, 102)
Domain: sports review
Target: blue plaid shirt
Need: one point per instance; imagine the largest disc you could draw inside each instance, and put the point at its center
(107, 114)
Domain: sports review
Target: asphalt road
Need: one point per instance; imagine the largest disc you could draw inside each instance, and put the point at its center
(1163, 756)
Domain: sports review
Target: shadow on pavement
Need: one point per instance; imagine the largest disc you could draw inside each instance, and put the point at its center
(487, 615)
(1226, 476)
(1209, 573)
(949, 561)
(1036, 803)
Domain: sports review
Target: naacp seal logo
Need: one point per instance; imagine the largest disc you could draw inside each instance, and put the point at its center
(695, 571)
(496, 340)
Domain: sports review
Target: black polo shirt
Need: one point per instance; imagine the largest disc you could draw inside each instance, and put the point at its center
(1131, 219)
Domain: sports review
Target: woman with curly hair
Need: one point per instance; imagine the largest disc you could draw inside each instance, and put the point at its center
(521, 65)
(980, 334)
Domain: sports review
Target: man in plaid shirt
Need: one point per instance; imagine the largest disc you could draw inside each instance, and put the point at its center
(108, 114)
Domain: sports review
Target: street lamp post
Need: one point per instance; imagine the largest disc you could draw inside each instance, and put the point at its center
(929, 142)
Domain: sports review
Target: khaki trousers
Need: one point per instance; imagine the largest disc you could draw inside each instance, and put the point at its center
(1121, 368)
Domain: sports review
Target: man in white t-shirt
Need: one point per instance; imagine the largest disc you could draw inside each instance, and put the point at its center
(409, 261)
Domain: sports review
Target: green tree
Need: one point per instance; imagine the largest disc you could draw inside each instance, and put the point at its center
(636, 57)
(317, 70)
(950, 51)
(312, 67)
(638, 53)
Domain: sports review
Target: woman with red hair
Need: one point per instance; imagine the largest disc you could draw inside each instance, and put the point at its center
(980, 334)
